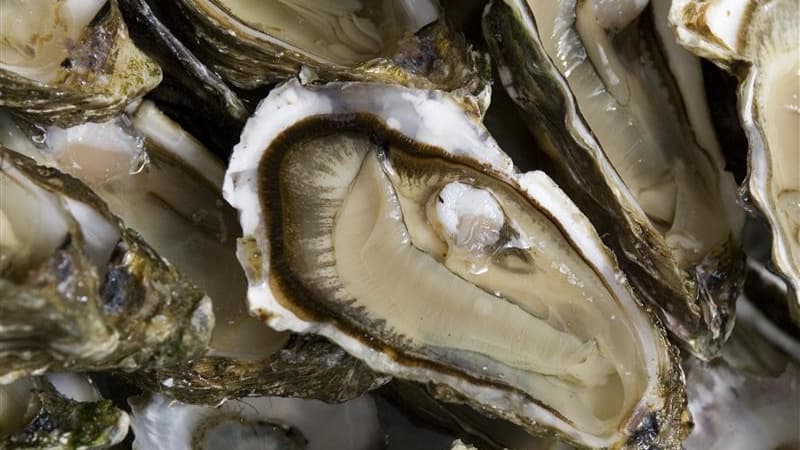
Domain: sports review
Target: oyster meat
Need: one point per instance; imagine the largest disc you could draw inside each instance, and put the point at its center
(78, 290)
(51, 412)
(760, 43)
(68, 61)
(388, 220)
(262, 422)
(621, 108)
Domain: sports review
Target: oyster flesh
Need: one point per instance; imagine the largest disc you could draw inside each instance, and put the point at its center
(69, 61)
(261, 422)
(58, 411)
(165, 185)
(621, 108)
(388, 220)
(78, 290)
(759, 41)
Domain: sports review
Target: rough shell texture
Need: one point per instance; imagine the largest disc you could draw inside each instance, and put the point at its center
(134, 311)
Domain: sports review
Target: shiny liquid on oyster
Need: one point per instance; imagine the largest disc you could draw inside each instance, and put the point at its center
(439, 259)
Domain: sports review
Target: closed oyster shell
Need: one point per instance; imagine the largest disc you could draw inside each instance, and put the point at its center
(760, 43)
(420, 250)
(621, 108)
(70, 62)
(79, 291)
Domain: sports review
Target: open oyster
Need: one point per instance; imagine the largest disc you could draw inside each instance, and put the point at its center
(69, 61)
(255, 43)
(613, 99)
(262, 422)
(78, 290)
(388, 220)
(760, 42)
(167, 186)
(58, 411)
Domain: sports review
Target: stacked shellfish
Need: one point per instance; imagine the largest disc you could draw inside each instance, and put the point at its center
(302, 224)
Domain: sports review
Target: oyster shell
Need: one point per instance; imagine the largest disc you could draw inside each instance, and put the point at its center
(191, 93)
(611, 98)
(251, 44)
(66, 62)
(420, 250)
(78, 290)
(760, 43)
(262, 422)
(58, 411)
(164, 184)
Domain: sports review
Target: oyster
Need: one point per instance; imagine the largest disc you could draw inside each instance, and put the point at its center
(262, 422)
(760, 43)
(164, 184)
(388, 220)
(68, 61)
(78, 290)
(251, 44)
(58, 411)
(621, 108)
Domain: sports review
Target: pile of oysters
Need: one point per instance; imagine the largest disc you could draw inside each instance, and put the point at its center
(400, 224)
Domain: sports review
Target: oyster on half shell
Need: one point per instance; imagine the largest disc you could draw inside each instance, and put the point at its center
(251, 44)
(256, 423)
(58, 411)
(68, 61)
(388, 220)
(759, 41)
(165, 185)
(78, 290)
(621, 108)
